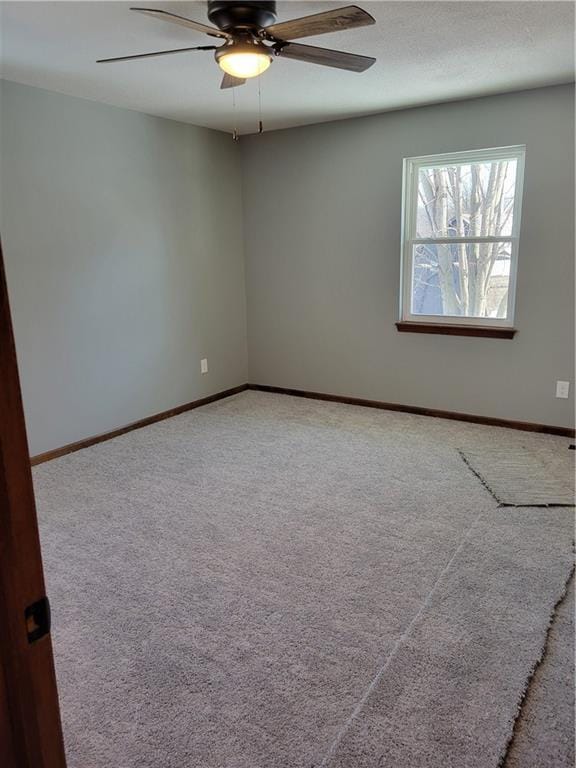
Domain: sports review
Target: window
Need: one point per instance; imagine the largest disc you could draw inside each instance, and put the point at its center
(461, 224)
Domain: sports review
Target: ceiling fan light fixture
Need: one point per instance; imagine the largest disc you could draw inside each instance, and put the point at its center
(244, 60)
(252, 38)
(244, 65)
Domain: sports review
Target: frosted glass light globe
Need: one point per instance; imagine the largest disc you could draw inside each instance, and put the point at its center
(243, 64)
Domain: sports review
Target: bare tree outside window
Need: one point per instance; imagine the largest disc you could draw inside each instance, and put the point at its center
(462, 236)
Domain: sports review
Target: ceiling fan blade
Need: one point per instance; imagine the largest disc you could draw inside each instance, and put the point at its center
(184, 22)
(157, 53)
(320, 23)
(229, 81)
(325, 57)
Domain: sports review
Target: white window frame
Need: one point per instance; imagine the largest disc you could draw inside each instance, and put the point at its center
(411, 168)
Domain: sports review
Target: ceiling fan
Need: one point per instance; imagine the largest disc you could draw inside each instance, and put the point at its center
(252, 39)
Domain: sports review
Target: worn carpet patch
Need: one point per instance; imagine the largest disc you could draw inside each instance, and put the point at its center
(270, 582)
(521, 478)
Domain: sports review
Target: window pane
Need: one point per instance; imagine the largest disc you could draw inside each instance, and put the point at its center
(466, 200)
(461, 280)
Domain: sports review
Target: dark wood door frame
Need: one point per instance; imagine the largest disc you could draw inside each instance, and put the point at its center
(30, 728)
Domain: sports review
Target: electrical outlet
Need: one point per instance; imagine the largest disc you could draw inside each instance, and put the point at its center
(562, 389)
(204, 366)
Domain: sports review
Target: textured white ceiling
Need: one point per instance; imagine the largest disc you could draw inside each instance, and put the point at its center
(427, 52)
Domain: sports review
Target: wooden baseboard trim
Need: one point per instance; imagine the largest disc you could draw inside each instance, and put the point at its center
(453, 415)
(71, 447)
(526, 426)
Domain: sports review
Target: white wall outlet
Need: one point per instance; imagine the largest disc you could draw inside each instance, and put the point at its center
(562, 389)
(204, 366)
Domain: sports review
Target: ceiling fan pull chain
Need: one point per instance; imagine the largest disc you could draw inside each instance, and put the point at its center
(235, 136)
(260, 126)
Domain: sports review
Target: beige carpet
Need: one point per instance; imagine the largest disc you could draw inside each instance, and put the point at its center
(269, 582)
(544, 732)
(521, 478)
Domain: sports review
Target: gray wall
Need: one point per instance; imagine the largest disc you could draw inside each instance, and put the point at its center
(123, 246)
(122, 238)
(322, 221)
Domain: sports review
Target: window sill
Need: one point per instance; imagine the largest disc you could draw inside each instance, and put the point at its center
(447, 329)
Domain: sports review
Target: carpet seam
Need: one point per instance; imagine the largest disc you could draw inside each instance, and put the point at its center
(404, 636)
(479, 476)
(503, 504)
(530, 677)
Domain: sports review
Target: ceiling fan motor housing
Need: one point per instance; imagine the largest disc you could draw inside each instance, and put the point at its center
(228, 15)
